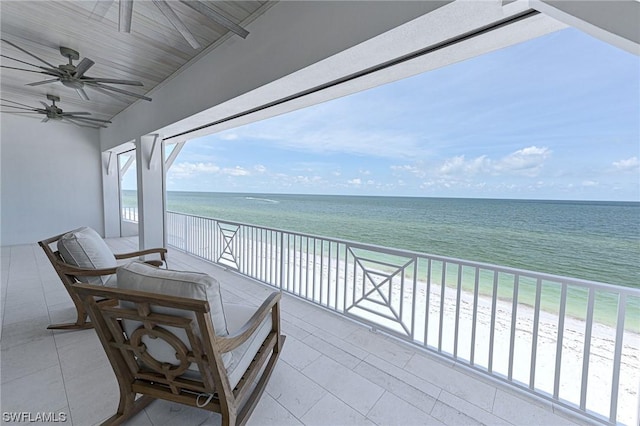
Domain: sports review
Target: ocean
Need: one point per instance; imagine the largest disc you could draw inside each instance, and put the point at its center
(592, 240)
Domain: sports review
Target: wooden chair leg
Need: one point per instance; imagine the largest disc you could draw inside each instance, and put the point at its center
(82, 323)
(128, 408)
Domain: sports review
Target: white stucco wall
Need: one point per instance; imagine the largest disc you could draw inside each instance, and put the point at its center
(50, 179)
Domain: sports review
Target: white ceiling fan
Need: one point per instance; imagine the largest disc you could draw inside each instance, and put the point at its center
(74, 76)
(53, 112)
(126, 14)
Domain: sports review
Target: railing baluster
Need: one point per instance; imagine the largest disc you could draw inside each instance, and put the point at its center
(617, 357)
(587, 350)
(442, 293)
(457, 322)
(413, 300)
(476, 283)
(337, 275)
(514, 319)
(534, 337)
(559, 342)
(427, 303)
(492, 329)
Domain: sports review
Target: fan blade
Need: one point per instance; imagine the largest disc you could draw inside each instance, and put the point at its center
(14, 102)
(30, 54)
(66, 120)
(83, 66)
(76, 113)
(29, 63)
(90, 119)
(106, 92)
(176, 22)
(17, 107)
(44, 120)
(38, 72)
(38, 83)
(100, 9)
(115, 89)
(83, 95)
(84, 124)
(20, 112)
(126, 13)
(111, 81)
(47, 107)
(217, 17)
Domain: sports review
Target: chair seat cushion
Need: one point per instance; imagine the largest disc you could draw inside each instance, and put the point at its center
(237, 316)
(84, 248)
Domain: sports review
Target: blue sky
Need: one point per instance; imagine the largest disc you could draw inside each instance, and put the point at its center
(557, 117)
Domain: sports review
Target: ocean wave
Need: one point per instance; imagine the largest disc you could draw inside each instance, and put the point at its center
(262, 200)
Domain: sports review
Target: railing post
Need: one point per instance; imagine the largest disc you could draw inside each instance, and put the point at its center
(281, 260)
(185, 239)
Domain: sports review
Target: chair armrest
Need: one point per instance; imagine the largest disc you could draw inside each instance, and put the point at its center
(229, 343)
(160, 250)
(74, 270)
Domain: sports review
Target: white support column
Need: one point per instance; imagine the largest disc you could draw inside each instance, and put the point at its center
(111, 194)
(151, 207)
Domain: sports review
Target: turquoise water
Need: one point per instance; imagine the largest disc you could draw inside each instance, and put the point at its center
(597, 241)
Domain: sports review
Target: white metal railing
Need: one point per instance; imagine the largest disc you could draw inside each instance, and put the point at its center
(571, 341)
(130, 214)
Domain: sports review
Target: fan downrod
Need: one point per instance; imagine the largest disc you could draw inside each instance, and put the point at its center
(69, 53)
(53, 98)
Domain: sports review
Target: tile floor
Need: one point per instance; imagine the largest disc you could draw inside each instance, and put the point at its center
(331, 371)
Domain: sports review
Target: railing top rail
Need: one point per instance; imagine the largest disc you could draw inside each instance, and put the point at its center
(629, 291)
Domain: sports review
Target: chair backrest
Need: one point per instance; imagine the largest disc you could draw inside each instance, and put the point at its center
(184, 325)
(125, 350)
(84, 248)
(192, 285)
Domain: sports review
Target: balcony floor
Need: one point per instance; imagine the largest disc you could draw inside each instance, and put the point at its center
(331, 371)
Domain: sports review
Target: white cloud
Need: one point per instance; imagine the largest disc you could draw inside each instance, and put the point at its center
(235, 171)
(527, 161)
(356, 181)
(228, 136)
(419, 172)
(458, 165)
(630, 164)
(259, 168)
(590, 183)
(186, 169)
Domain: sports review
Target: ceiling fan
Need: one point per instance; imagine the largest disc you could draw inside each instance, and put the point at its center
(53, 112)
(73, 76)
(126, 13)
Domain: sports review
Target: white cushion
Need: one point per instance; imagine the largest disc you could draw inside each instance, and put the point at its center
(237, 316)
(84, 248)
(144, 277)
(193, 285)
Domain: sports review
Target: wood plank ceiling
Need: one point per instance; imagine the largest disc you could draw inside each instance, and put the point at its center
(153, 51)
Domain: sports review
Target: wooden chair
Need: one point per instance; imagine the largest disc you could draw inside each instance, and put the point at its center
(71, 274)
(202, 366)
